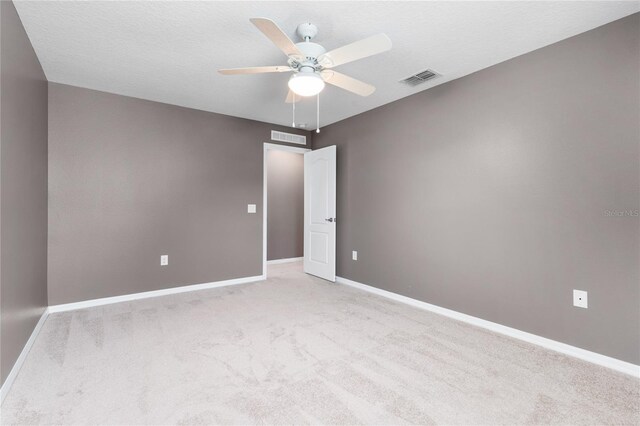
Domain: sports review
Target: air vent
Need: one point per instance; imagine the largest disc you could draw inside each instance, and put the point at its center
(288, 137)
(420, 78)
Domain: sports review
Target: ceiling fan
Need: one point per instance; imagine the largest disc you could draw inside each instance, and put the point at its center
(311, 64)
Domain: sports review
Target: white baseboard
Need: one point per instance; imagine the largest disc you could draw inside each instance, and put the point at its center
(583, 354)
(291, 259)
(23, 355)
(154, 293)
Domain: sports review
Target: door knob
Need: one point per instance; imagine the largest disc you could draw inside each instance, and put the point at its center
(331, 219)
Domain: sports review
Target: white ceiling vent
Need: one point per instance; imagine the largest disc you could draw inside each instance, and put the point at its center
(420, 78)
(288, 137)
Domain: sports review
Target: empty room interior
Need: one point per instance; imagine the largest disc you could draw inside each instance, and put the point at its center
(262, 212)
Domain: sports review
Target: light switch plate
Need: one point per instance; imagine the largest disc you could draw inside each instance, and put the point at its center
(164, 260)
(580, 299)
(251, 208)
(354, 255)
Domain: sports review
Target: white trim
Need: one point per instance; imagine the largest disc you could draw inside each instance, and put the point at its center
(6, 386)
(291, 259)
(279, 147)
(267, 147)
(154, 293)
(583, 354)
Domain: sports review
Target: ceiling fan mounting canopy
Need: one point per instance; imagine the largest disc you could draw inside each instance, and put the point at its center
(310, 62)
(307, 31)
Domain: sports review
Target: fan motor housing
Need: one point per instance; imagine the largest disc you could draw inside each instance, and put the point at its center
(310, 50)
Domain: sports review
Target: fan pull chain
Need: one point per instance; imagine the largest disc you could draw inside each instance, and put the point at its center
(294, 110)
(318, 113)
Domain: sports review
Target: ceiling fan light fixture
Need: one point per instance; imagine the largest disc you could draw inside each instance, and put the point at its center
(306, 83)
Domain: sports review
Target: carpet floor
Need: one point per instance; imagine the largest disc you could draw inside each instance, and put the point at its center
(295, 349)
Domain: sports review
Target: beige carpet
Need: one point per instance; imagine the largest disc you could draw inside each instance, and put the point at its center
(297, 350)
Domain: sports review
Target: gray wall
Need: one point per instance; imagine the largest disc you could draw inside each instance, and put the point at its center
(285, 205)
(23, 187)
(488, 194)
(130, 180)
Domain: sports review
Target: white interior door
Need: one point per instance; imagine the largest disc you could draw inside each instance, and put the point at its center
(320, 213)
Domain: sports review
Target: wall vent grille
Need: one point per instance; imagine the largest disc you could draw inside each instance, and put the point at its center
(420, 78)
(288, 137)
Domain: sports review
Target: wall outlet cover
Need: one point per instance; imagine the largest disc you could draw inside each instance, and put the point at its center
(251, 208)
(580, 299)
(164, 260)
(354, 255)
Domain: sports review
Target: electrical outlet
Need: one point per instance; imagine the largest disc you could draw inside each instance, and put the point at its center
(251, 208)
(354, 255)
(164, 260)
(580, 299)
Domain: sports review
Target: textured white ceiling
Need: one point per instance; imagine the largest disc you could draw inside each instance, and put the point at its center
(169, 51)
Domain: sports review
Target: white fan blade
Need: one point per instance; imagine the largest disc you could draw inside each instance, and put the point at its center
(352, 52)
(292, 98)
(276, 35)
(254, 70)
(347, 83)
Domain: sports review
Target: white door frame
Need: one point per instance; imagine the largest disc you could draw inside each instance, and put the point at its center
(267, 147)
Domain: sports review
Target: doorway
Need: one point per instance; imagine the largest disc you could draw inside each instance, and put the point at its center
(283, 201)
